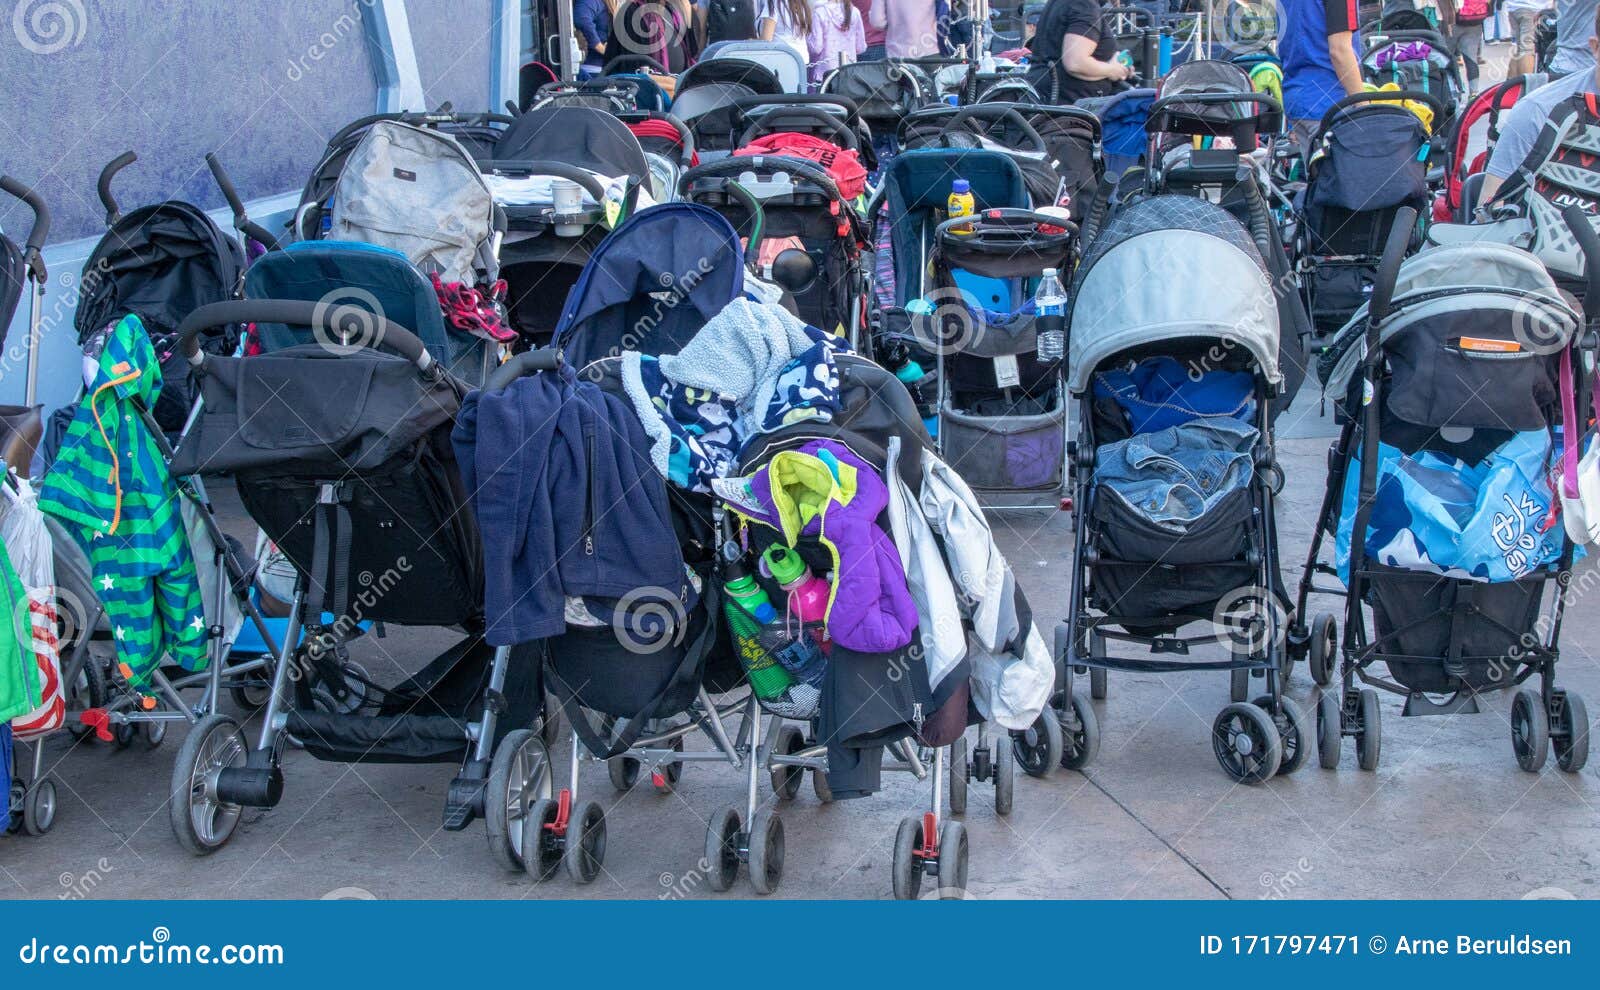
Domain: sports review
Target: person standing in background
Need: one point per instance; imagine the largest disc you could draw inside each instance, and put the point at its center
(1073, 57)
(592, 20)
(874, 51)
(910, 28)
(1575, 20)
(1523, 17)
(1462, 22)
(788, 21)
(1317, 47)
(836, 36)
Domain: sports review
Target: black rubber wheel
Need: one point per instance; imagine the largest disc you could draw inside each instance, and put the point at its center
(1238, 685)
(1039, 746)
(952, 861)
(153, 734)
(1080, 745)
(670, 773)
(1369, 740)
(766, 851)
(786, 780)
(251, 694)
(1530, 730)
(1293, 730)
(722, 849)
(1005, 777)
(123, 734)
(541, 848)
(39, 806)
(624, 772)
(88, 691)
(586, 842)
(907, 875)
(1246, 742)
(959, 776)
(1322, 655)
(1572, 747)
(202, 822)
(819, 786)
(1330, 730)
(519, 775)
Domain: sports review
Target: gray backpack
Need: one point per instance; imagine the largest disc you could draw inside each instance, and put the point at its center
(417, 191)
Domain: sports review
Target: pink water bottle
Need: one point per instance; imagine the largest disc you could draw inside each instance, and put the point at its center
(807, 594)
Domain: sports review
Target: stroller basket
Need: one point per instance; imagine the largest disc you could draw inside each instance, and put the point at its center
(1015, 451)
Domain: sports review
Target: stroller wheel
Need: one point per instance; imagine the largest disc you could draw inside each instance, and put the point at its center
(202, 822)
(766, 851)
(1572, 744)
(14, 807)
(1080, 741)
(907, 864)
(1005, 776)
(722, 848)
(1330, 729)
(88, 690)
(39, 807)
(1247, 743)
(154, 734)
(1530, 730)
(819, 786)
(1369, 737)
(1038, 747)
(252, 694)
(623, 771)
(122, 734)
(1097, 675)
(1238, 685)
(1323, 653)
(586, 842)
(786, 780)
(665, 778)
(953, 862)
(1291, 723)
(960, 774)
(541, 848)
(519, 774)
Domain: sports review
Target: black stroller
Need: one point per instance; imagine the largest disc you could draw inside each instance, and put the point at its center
(1368, 159)
(1189, 370)
(1452, 618)
(362, 496)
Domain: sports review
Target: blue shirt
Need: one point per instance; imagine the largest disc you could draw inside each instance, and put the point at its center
(1310, 85)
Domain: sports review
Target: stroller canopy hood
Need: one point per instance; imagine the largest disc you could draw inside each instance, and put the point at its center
(160, 262)
(1506, 288)
(577, 135)
(739, 69)
(920, 179)
(1169, 268)
(652, 284)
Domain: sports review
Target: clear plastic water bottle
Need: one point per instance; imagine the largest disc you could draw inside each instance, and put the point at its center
(1050, 316)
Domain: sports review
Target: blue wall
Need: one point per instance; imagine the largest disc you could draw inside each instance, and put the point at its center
(262, 82)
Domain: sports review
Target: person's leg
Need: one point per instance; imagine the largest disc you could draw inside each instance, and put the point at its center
(1469, 43)
(1523, 25)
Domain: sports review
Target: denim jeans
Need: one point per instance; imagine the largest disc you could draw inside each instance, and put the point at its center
(1174, 476)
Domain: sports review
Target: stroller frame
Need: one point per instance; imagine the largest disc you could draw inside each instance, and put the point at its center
(1547, 715)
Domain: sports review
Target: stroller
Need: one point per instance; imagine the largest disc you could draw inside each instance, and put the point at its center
(365, 501)
(999, 413)
(708, 97)
(544, 251)
(1159, 378)
(884, 93)
(1406, 52)
(1464, 176)
(1367, 161)
(1443, 468)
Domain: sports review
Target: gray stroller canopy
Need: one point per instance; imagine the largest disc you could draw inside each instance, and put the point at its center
(1503, 286)
(1169, 268)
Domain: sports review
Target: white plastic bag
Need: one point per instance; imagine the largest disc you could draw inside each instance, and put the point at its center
(32, 557)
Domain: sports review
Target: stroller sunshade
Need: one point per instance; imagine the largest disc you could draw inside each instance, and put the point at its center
(575, 135)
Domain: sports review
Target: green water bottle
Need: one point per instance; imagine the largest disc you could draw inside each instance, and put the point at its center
(748, 609)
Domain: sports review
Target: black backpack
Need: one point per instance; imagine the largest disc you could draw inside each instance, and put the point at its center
(730, 20)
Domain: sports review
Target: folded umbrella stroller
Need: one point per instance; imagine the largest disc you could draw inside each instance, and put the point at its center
(1174, 476)
(340, 451)
(1451, 382)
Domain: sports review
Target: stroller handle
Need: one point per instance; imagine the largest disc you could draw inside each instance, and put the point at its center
(631, 59)
(296, 312)
(1383, 96)
(1394, 252)
(522, 365)
(997, 112)
(41, 224)
(753, 163)
(103, 187)
(241, 220)
(1589, 242)
(559, 170)
(685, 137)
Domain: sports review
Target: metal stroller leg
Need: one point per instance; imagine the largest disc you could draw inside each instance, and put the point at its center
(757, 837)
(924, 847)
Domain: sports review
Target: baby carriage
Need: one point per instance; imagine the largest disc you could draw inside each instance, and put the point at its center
(340, 451)
(1405, 52)
(1466, 157)
(708, 96)
(884, 92)
(784, 61)
(544, 250)
(999, 127)
(1369, 159)
(1173, 472)
(1449, 382)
